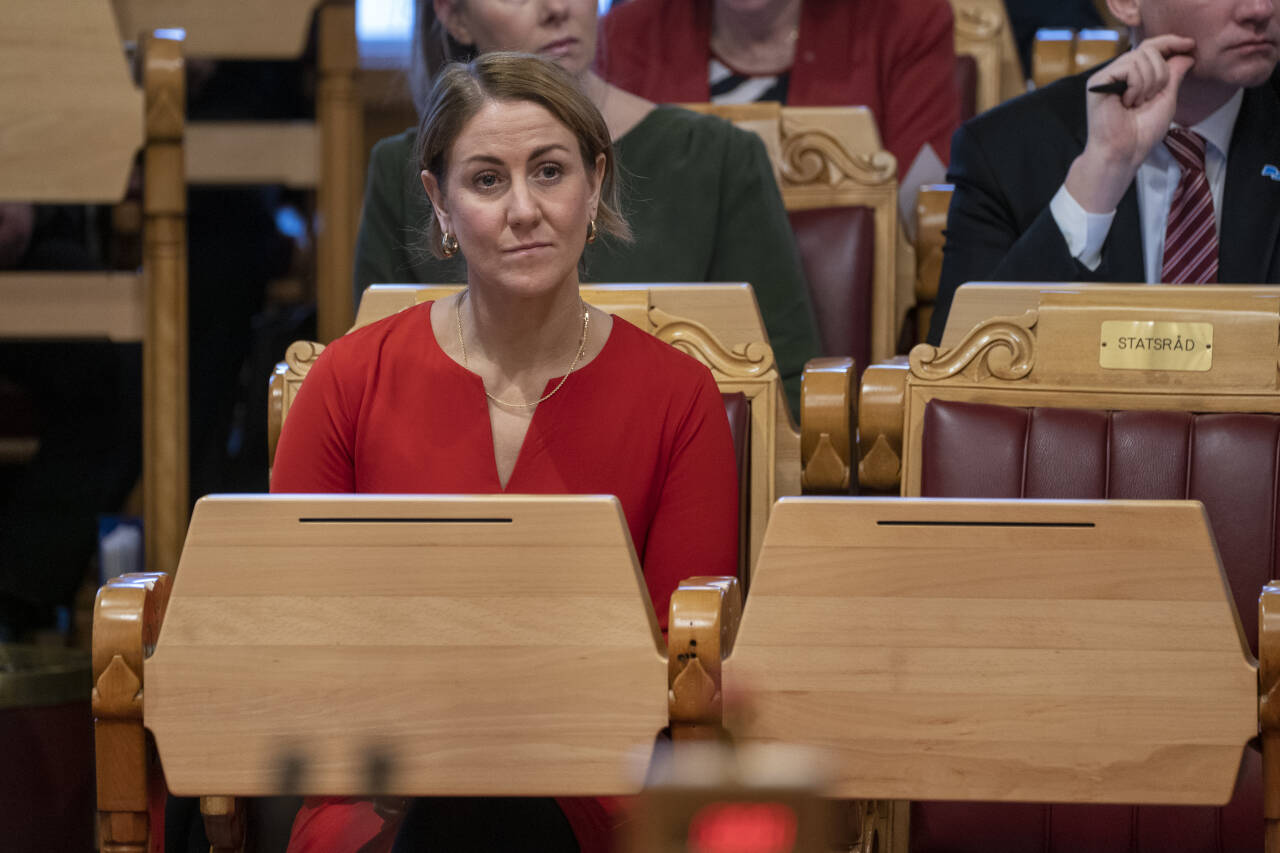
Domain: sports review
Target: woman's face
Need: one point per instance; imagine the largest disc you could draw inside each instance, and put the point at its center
(518, 197)
(563, 31)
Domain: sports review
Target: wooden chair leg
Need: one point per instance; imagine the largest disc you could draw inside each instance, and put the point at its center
(1269, 710)
(126, 622)
(223, 823)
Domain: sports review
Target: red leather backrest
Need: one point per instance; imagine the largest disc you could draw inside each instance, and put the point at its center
(837, 249)
(1227, 461)
(739, 412)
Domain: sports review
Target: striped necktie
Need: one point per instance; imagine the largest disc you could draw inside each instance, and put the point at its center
(1191, 237)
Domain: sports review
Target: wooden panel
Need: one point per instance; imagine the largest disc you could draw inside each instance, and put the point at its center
(227, 29)
(516, 656)
(72, 115)
(1023, 650)
(72, 305)
(258, 152)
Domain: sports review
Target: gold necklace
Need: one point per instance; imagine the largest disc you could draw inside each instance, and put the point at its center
(582, 347)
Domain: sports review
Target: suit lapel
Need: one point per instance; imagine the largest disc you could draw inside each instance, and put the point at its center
(1251, 201)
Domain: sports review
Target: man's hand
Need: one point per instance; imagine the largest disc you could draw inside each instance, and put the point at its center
(1124, 128)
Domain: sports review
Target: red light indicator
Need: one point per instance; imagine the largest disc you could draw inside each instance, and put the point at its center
(743, 828)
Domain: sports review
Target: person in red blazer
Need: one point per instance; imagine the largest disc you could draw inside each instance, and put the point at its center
(894, 56)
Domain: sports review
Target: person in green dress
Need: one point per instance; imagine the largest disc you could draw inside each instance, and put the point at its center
(699, 193)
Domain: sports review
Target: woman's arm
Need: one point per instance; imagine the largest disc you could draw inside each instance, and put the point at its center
(694, 530)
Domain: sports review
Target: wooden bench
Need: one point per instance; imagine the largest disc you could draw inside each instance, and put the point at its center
(360, 645)
(1083, 652)
(324, 155)
(64, 79)
(1093, 391)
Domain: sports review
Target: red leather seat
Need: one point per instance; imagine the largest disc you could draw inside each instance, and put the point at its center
(837, 250)
(1230, 462)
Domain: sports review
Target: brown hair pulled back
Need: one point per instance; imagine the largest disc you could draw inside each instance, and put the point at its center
(460, 91)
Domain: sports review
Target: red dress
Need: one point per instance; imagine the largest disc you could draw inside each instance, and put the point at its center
(895, 57)
(385, 410)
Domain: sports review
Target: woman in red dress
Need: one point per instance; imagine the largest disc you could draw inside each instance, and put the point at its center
(515, 384)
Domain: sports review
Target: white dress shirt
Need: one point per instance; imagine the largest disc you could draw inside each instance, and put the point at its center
(1157, 178)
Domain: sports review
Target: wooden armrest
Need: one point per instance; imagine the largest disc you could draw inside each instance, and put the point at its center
(827, 407)
(705, 612)
(1269, 703)
(880, 414)
(126, 623)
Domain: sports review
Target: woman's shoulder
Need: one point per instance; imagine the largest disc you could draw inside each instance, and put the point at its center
(363, 347)
(657, 361)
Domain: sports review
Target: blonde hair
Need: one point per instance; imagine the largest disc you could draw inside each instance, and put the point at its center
(460, 91)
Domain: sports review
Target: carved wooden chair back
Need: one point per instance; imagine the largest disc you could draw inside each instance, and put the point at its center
(932, 204)
(953, 651)
(1099, 391)
(64, 79)
(840, 189)
(718, 324)
(362, 645)
(982, 31)
(324, 155)
(1058, 53)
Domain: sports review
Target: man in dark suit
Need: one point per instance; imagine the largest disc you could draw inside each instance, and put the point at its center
(1069, 185)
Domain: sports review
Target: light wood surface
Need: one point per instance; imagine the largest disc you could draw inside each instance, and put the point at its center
(833, 157)
(718, 324)
(421, 644)
(55, 305)
(64, 80)
(249, 29)
(165, 463)
(998, 650)
(253, 152)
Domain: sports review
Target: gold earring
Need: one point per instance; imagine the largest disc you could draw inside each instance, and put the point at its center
(591, 231)
(448, 245)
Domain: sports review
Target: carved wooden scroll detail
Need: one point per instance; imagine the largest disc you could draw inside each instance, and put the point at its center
(1003, 347)
(815, 156)
(745, 361)
(126, 622)
(703, 623)
(286, 379)
(1269, 709)
(974, 22)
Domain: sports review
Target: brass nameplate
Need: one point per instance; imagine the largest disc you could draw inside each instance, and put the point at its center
(1155, 345)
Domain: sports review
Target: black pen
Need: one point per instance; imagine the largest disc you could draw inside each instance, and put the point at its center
(1115, 87)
